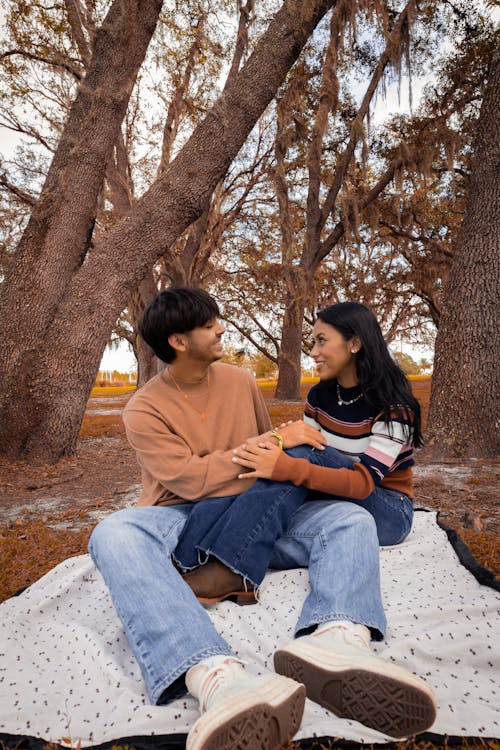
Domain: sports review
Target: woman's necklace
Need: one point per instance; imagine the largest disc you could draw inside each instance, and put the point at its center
(203, 413)
(341, 401)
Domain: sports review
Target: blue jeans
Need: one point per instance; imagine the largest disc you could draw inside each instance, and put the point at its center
(241, 531)
(169, 631)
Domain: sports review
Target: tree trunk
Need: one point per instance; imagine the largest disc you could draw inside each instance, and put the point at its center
(44, 401)
(289, 358)
(463, 416)
(148, 364)
(57, 238)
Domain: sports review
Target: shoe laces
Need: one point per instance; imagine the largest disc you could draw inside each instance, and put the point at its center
(354, 634)
(218, 677)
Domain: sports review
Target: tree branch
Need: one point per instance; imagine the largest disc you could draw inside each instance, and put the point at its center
(75, 19)
(52, 62)
(241, 40)
(176, 103)
(22, 195)
(331, 240)
(253, 341)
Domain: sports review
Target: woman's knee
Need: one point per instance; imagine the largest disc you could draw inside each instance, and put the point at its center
(331, 458)
(300, 451)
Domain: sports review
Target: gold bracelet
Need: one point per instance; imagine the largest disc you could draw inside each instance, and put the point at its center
(279, 438)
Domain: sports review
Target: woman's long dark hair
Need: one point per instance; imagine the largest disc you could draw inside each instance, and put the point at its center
(382, 381)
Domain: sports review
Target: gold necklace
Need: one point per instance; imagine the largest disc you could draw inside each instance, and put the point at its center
(203, 413)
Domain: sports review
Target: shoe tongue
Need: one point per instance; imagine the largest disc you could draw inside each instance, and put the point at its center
(215, 680)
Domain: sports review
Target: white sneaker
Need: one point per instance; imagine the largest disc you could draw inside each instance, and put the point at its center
(241, 711)
(341, 674)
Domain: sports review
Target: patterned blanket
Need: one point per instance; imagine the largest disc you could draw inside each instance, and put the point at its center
(67, 674)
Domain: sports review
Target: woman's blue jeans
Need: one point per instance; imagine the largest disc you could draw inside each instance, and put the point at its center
(169, 631)
(241, 531)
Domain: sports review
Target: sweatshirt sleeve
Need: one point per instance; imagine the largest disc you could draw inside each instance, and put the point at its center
(170, 460)
(356, 482)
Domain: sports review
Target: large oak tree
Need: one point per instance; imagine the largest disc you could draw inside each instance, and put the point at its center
(61, 296)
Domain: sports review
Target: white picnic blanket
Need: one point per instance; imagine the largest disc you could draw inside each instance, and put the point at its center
(68, 675)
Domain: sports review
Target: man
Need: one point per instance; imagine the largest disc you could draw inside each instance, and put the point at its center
(184, 425)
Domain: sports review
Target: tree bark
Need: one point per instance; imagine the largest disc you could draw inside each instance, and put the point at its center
(299, 285)
(463, 415)
(44, 400)
(57, 238)
(148, 364)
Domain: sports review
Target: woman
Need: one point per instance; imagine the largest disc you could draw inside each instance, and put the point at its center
(370, 423)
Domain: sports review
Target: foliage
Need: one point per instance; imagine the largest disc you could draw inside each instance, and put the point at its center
(240, 251)
(407, 363)
(393, 249)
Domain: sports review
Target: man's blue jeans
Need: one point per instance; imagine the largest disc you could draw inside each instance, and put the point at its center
(241, 531)
(169, 631)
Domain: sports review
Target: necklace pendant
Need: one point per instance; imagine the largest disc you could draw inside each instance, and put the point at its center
(203, 416)
(340, 402)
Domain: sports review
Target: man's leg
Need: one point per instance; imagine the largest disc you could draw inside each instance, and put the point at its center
(166, 627)
(175, 642)
(338, 541)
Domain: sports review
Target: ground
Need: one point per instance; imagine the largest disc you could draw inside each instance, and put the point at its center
(48, 512)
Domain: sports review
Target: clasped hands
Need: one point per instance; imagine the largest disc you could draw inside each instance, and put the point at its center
(259, 455)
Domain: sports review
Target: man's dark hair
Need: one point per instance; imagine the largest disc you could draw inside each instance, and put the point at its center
(177, 310)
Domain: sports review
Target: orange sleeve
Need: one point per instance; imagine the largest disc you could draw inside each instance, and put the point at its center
(355, 483)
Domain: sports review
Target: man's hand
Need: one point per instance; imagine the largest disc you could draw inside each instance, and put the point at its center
(259, 459)
(300, 433)
(293, 433)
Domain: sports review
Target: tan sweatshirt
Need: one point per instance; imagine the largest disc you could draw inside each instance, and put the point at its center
(182, 457)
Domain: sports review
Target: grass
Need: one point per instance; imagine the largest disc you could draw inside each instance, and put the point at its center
(111, 390)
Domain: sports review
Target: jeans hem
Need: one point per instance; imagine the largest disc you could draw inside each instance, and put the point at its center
(182, 568)
(245, 578)
(377, 632)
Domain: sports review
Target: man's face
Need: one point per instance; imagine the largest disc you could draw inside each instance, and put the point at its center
(203, 344)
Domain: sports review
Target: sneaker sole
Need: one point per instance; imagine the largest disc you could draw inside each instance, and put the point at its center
(244, 724)
(384, 703)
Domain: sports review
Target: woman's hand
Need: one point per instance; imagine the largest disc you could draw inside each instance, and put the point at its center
(259, 459)
(300, 433)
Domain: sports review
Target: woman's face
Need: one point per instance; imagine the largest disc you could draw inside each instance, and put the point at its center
(334, 356)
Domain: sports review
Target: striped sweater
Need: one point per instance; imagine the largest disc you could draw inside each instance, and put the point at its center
(380, 451)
